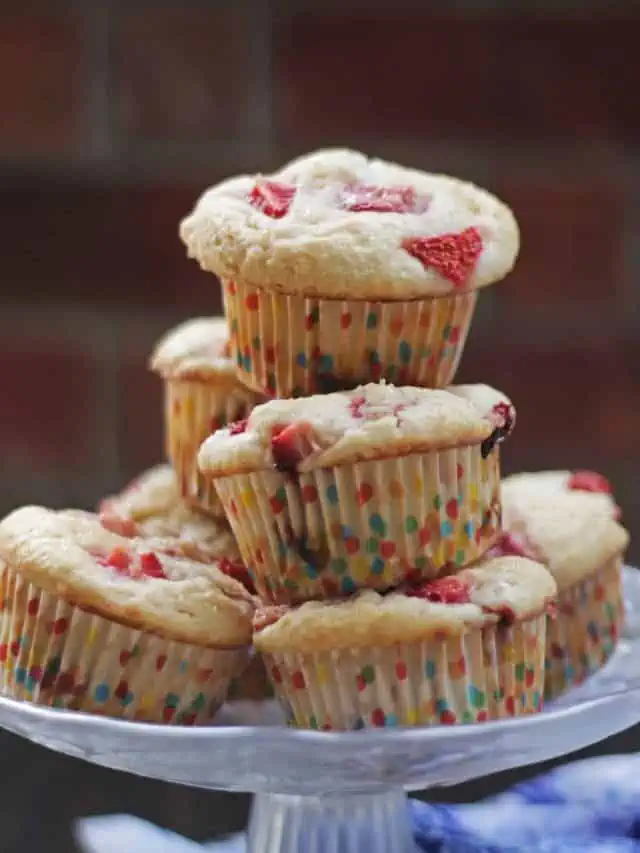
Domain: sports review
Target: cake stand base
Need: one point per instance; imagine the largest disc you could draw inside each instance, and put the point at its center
(330, 823)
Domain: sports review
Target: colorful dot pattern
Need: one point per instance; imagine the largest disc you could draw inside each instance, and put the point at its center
(585, 630)
(193, 410)
(488, 673)
(53, 653)
(289, 346)
(372, 524)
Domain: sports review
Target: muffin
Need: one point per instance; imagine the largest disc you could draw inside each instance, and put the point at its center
(543, 482)
(151, 506)
(364, 488)
(202, 394)
(459, 649)
(93, 621)
(340, 270)
(575, 534)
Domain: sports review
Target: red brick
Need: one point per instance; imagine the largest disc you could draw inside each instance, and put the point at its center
(571, 241)
(358, 73)
(183, 73)
(561, 396)
(48, 402)
(44, 82)
(93, 244)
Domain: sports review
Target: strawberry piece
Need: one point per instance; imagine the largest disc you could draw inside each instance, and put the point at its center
(120, 560)
(151, 567)
(238, 571)
(365, 198)
(290, 445)
(447, 590)
(272, 198)
(504, 416)
(238, 427)
(589, 481)
(454, 256)
(356, 405)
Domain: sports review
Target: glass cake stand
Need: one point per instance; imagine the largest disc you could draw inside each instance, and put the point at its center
(329, 792)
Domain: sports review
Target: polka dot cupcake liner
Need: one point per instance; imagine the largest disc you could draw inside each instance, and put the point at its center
(54, 653)
(328, 532)
(289, 346)
(484, 674)
(583, 634)
(193, 410)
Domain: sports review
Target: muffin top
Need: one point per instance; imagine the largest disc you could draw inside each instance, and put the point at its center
(128, 580)
(151, 506)
(373, 421)
(197, 349)
(573, 532)
(340, 225)
(520, 486)
(506, 588)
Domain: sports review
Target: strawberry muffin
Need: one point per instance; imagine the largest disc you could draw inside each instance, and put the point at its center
(93, 621)
(362, 488)
(339, 270)
(544, 482)
(151, 507)
(459, 649)
(573, 531)
(202, 394)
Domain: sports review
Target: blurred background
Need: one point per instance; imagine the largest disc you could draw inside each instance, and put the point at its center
(116, 115)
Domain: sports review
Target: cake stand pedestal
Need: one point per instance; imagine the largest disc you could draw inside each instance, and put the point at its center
(331, 792)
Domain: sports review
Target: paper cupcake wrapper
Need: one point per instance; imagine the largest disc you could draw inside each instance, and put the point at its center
(193, 410)
(54, 653)
(583, 634)
(290, 346)
(485, 674)
(329, 532)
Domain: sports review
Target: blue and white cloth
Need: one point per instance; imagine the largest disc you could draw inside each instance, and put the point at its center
(588, 807)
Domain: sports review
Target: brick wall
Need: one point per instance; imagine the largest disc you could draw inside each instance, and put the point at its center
(115, 116)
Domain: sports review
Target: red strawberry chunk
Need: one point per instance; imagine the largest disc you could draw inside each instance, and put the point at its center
(290, 445)
(504, 415)
(151, 567)
(272, 198)
(589, 481)
(454, 256)
(448, 590)
(120, 560)
(356, 405)
(239, 572)
(238, 427)
(365, 198)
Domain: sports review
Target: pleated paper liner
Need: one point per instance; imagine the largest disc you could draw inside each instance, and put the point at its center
(584, 633)
(331, 531)
(290, 346)
(484, 674)
(54, 653)
(193, 410)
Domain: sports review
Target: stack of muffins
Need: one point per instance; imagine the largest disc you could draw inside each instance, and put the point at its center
(332, 499)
